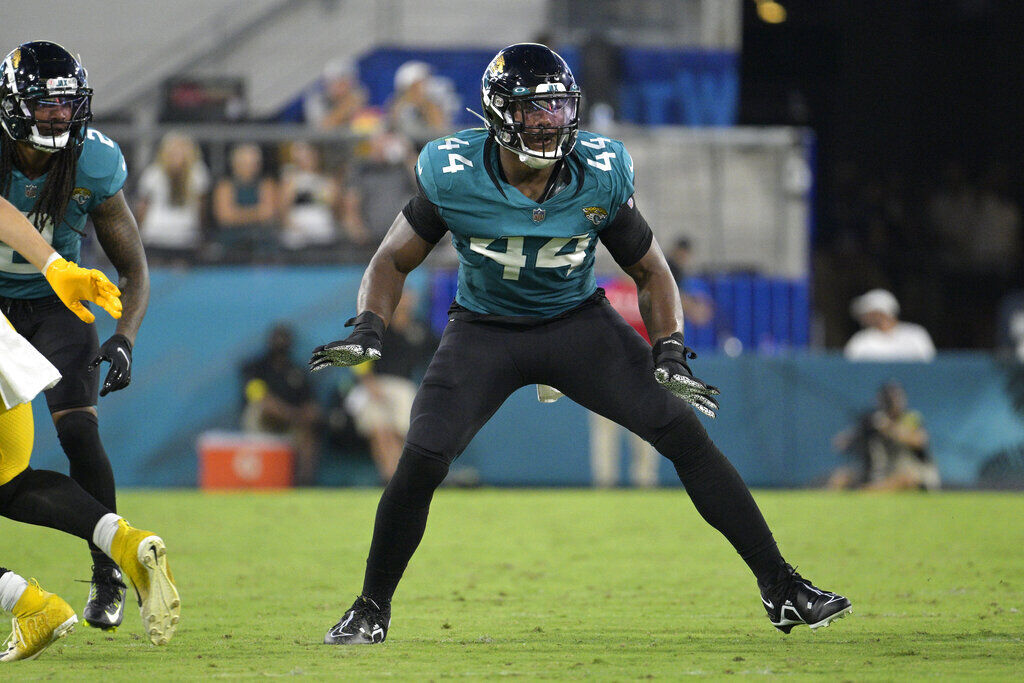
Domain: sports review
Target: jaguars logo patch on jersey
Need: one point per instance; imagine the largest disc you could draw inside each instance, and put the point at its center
(595, 214)
(81, 195)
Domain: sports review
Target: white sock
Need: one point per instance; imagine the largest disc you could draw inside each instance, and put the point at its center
(11, 588)
(103, 534)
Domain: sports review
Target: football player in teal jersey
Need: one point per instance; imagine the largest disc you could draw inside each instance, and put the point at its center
(526, 200)
(60, 172)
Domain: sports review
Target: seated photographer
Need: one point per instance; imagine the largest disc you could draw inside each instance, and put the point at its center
(278, 399)
(889, 447)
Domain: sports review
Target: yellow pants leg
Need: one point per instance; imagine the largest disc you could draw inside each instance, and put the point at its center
(16, 434)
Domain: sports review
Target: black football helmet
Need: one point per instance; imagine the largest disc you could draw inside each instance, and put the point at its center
(45, 99)
(531, 103)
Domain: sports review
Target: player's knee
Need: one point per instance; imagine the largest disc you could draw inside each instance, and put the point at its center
(684, 444)
(76, 426)
(418, 474)
(9, 488)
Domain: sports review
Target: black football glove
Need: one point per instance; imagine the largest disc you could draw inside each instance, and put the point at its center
(118, 352)
(362, 345)
(672, 372)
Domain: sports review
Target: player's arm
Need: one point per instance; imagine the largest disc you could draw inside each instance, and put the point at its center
(657, 293)
(631, 242)
(118, 234)
(401, 251)
(20, 235)
(71, 283)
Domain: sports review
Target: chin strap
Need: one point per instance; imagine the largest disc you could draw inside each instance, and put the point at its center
(532, 162)
(535, 162)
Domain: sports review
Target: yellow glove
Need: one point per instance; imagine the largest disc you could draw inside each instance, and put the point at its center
(73, 284)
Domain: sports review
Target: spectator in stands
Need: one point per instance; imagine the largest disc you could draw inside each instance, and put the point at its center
(421, 105)
(172, 194)
(382, 401)
(1011, 325)
(379, 187)
(339, 101)
(889, 447)
(698, 308)
(602, 63)
(885, 337)
(309, 199)
(279, 399)
(996, 242)
(245, 203)
(952, 213)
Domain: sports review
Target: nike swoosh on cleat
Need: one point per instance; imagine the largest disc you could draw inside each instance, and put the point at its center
(767, 603)
(339, 629)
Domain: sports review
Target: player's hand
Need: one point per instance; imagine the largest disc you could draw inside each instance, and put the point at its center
(362, 345)
(118, 352)
(672, 372)
(73, 284)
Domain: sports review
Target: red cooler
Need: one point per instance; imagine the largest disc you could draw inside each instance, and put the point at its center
(229, 460)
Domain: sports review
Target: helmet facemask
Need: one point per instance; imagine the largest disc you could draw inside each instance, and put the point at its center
(543, 127)
(51, 119)
(540, 127)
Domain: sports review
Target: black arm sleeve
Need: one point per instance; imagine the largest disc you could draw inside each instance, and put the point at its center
(627, 237)
(424, 217)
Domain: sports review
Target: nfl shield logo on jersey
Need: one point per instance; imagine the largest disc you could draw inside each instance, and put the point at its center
(30, 191)
(538, 215)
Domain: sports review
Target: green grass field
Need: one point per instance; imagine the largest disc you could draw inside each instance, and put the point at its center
(547, 584)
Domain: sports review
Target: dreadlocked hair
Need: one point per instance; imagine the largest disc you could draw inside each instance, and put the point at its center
(55, 194)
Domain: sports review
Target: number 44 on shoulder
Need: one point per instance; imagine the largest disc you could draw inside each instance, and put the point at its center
(456, 162)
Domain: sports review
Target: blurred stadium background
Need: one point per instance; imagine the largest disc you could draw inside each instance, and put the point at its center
(809, 151)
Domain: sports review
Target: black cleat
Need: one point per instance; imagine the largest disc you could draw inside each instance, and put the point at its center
(105, 608)
(794, 600)
(363, 624)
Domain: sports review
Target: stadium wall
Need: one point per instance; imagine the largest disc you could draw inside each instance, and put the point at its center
(778, 414)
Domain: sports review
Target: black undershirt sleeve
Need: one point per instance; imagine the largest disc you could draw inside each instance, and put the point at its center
(424, 217)
(628, 236)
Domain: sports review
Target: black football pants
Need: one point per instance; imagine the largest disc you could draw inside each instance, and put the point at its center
(595, 358)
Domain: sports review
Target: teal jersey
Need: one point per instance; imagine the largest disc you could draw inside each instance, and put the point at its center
(101, 173)
(519, 257)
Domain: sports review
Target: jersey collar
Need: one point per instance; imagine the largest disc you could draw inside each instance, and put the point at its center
(561, 176)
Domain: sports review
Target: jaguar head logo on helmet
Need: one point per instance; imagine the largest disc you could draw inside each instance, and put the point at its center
(45, 100)
(531, 103)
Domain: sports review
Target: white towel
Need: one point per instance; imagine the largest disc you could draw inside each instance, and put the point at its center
(24, 372)
(548, 394)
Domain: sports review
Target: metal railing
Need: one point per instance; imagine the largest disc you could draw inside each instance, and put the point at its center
(741, 195)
